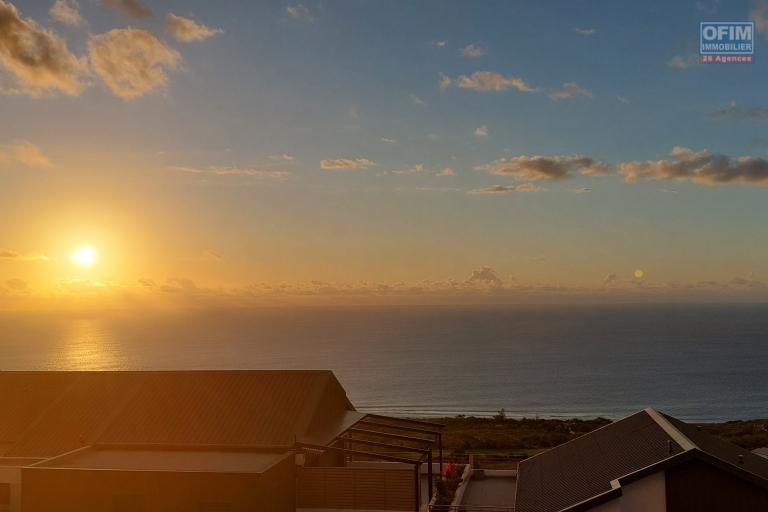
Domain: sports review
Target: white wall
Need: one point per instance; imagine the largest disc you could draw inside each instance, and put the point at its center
(648, 494)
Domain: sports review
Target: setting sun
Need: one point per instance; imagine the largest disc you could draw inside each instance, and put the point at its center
(84, 256)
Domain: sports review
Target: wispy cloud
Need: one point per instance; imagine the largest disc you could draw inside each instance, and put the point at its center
(415, 169)
(132, 62)
(24, 152)
(570, 90)
(386, 140)
(417, 101)
(444, 82)
(485, 81)
(548, 168)
(228, 170)
(8, 254)
(734, 112)
(187, 30)
(299, 12)
(346, 163)
(132, 8)
(474, 50)
(67, 12)
(622, 99)
(37, 57)
(446, 171)
(481, 132)
(440, 44)
(586, 32)
(505, 189)
(683, 62)
(699, 167)
(285, 157)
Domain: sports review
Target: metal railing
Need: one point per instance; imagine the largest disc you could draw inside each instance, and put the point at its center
(471, 508)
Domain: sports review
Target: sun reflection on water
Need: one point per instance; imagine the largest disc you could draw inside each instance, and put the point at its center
(87, 345)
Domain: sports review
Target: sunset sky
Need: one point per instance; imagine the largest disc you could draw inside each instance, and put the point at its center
(238, 153)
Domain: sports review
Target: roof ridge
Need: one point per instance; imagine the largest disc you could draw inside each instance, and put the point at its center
(677, 436)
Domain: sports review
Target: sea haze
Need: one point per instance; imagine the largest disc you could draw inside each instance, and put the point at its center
(697, 362)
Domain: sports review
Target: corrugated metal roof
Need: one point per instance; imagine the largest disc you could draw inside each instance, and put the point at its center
(583, 468)
(49, 413)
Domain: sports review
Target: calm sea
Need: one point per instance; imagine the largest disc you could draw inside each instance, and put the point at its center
(698, 362)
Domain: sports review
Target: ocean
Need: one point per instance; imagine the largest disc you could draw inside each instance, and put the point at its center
(696, 362)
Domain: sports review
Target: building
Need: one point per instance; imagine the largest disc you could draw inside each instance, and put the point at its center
(647, 462)
(207, 441)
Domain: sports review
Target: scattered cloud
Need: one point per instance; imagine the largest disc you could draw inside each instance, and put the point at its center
(417, 101)
(506, 189)
(481, 132)
(8, 254)
(285, 157)
(474, 50)
(385, 140)
(734, 112)
(187, 30)
(416, 169)
(444, 82)
(447, 171)
(683, 62)
(759, 15)
(582, 190)
(67, 12)
(586, 32)
(548, 168)
(622, 99)
(485, 276)
(132, 8)
(699, 167)
(299, 12)
(24, 152)
(491, 81)
(440, 44)
(132, 62)
(38, 58)
(225, 170)
(346, 163)
(570, 90)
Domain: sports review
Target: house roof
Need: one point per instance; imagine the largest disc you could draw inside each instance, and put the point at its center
(44, 414)
(593, 466)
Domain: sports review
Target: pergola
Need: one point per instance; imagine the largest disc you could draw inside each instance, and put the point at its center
(390, 439)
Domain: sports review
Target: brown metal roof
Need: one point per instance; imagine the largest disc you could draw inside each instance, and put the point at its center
(583, 469)
(43, 414)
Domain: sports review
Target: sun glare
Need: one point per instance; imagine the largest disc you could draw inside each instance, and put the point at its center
(84, 256)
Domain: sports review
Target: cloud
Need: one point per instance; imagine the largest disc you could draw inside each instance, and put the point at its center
(346, 163)
(444, 82)
(224, 170)
(210, 254)
(474, 50)
(416, 169)
(484, 81)
(481, 132)
(417, 101)
(440, 44)
(681, 62)
(24, 152)
(549, 168)
(8, 254)
(299, 12)
(586, 32)
(486, 276)
(569, 90)
(699, 167)
(760, 15)
(17, 285)
(582, 190)
(622, 99)
(133, 8)
(187, 30)
(285, 157)
(505, 189)
(385, 140)
(37, 57)
(445, 172)
(610, 279)
(132, 62)
(67, 12)
(734, 112)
